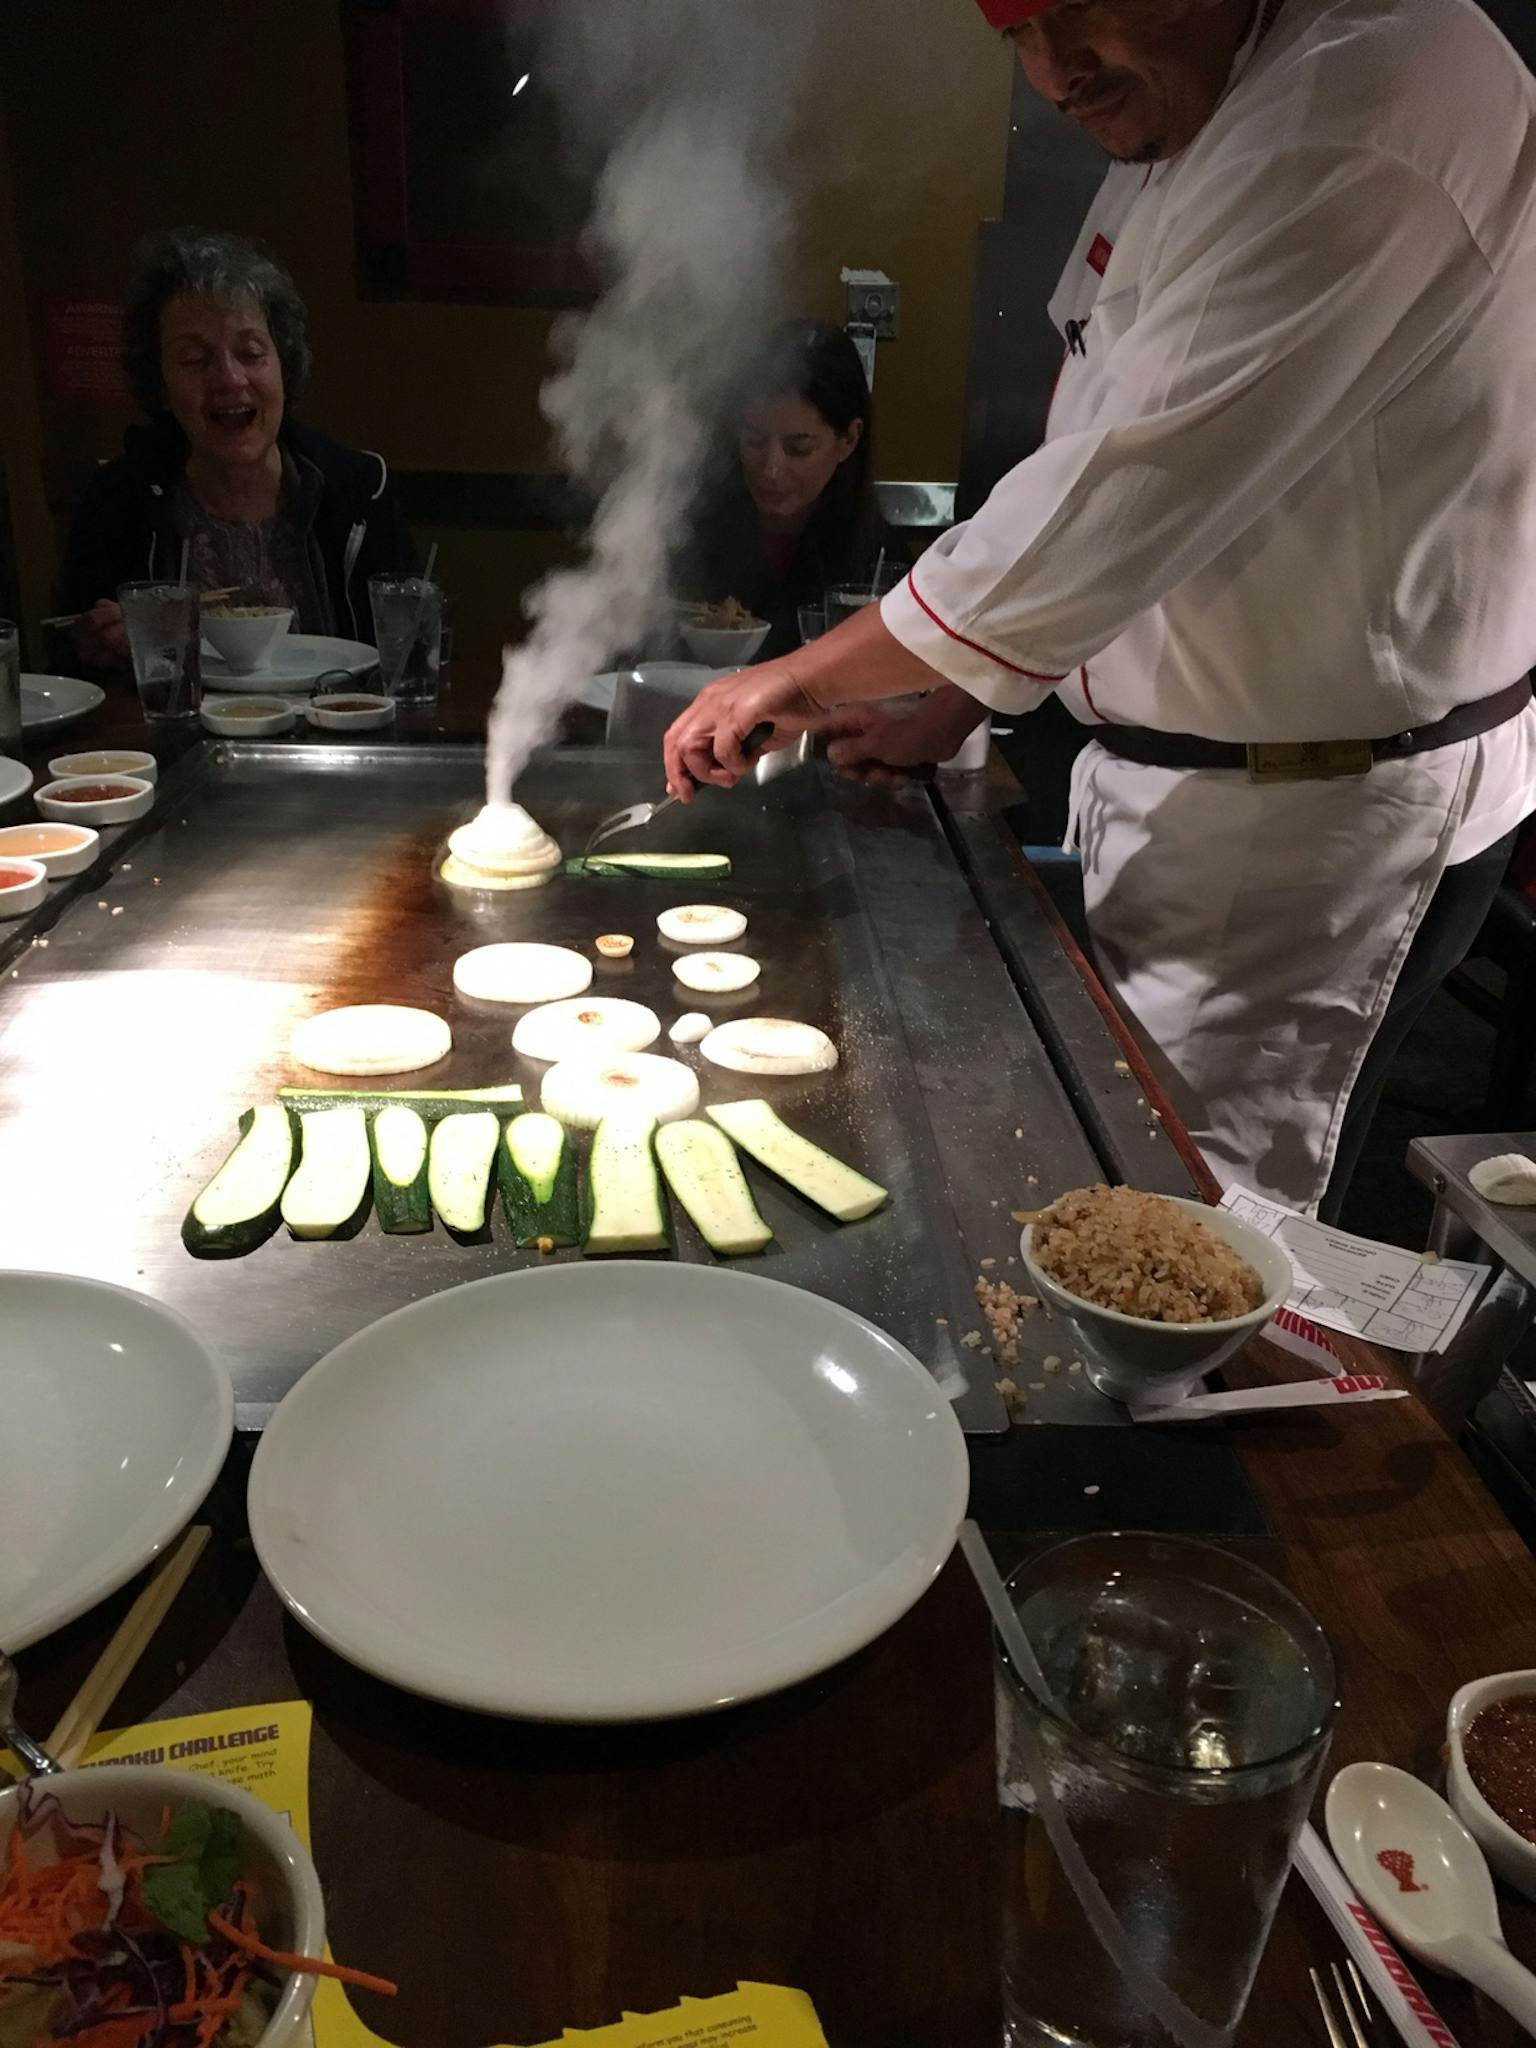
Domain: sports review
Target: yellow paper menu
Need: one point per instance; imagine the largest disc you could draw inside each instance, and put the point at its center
(266, 1751)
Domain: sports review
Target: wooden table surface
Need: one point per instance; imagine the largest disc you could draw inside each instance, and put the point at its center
(840, 1837)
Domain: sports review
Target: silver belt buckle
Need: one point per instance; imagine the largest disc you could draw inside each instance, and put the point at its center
(1310, 761)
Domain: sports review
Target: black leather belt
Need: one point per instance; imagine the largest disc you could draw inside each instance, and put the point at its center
(1312, 760)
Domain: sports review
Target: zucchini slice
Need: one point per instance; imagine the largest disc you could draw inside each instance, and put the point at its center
(828, 1182)
(432, 1103)
(655, 867)
(459, 1169)
(240, 1207)
(623, 1204)
(704, 1173)
(400, 1194)
(537, 1170)
(328, 1196)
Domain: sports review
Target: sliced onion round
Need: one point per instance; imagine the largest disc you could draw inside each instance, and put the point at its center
(459, 875)
(580, 1093)
(371, 1038)
(770, 1045)
(521, 972)
(702, 924)
(725, 973)
(585, 1027)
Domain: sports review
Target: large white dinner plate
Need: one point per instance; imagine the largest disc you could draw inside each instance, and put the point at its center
(608, 1493)
(15, 780)
(296, 661)
(50, 701)
(114, 1421)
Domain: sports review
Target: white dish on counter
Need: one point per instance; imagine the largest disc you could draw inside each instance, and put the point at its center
(244, 644)
(108, 810)
(15, 780)
(62, 849)
(1513, 1858)
(17, 898)
(327, 712)
(297, 662)
(622, 1492)
(49, 701)
(107, 761)
(117, 1420)
(248, 718)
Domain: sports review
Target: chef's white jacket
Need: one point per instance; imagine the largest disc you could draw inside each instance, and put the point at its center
(1289, 491)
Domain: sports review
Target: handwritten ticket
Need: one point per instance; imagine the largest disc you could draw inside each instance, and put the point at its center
(1377, 1291)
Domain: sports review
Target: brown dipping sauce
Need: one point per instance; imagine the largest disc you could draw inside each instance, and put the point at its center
(15, 878)
(1500, 1752)
(94, 793)
(349, 704)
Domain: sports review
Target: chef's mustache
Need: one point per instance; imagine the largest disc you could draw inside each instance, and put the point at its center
(1099, 94)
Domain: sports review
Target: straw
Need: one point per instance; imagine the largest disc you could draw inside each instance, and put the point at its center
(879, 568)
(1163, 2003)
(186, 559)
(426, 574)
(110, 1673)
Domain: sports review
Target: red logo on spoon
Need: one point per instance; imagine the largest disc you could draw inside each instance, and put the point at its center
(1398, 1865)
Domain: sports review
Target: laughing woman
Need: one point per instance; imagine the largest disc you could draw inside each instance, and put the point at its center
(216, 353)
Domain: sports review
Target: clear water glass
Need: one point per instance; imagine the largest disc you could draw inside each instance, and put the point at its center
(1192, 1703)
(163, 623)
(408, 632)
(813, 622)
(10, 688)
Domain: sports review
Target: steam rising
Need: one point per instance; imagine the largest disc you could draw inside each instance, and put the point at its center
(687, 232)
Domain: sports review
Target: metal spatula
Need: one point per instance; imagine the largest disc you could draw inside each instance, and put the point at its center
(635, 816)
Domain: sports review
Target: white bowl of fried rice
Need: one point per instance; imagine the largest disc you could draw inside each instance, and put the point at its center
(1159, 1291)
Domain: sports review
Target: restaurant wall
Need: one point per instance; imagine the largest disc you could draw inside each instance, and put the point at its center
(120, 119)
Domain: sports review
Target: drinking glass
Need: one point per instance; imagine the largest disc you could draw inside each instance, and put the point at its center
(408, 632)
(813, 622)
(844, 599)
(1191, 1705)
(10, 688)
(164, 638)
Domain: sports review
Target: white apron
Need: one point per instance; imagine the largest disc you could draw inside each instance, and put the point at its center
(1252, 936)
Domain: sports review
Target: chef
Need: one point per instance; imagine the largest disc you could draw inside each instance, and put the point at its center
(1278, 549)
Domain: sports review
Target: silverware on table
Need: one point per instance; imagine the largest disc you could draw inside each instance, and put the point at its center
(32, 1754)
(1346, 2010)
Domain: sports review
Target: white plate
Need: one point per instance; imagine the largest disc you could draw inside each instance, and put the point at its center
(608, 1493)
(50, 701)
(297, 661)
(116, 1423)
(15, 780)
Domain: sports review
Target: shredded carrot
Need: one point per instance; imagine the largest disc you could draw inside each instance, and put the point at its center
(165, 1822)
(311, 1966)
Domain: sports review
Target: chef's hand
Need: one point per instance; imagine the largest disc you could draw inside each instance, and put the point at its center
(871, 744)
(704, 745)
(99, 636)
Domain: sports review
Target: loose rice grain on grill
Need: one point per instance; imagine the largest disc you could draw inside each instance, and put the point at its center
(1143, 1255)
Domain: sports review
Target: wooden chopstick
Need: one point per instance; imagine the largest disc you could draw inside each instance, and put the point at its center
(74, 618)
(110, 1673)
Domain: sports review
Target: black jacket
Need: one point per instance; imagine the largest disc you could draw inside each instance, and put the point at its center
(123, 529)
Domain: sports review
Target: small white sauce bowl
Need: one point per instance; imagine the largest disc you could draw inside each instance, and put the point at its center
(60, 849)
(1511, 1855)
(248, 718)
(108, 762)
(119, 810)
(20, 897)
(322, 711)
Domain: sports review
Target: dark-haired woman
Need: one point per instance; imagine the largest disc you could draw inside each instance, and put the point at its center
(216, 352)
(798, 514)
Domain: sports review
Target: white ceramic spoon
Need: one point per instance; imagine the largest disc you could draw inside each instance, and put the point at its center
(1418, 1870)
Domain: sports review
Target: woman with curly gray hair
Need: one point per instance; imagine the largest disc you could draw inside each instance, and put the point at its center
(216, 352)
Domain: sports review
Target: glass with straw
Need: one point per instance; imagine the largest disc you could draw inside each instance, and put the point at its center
(408, 632)
(1163, 1714)
(163, 624)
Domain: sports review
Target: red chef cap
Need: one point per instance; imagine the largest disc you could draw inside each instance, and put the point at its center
(1009, 13)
